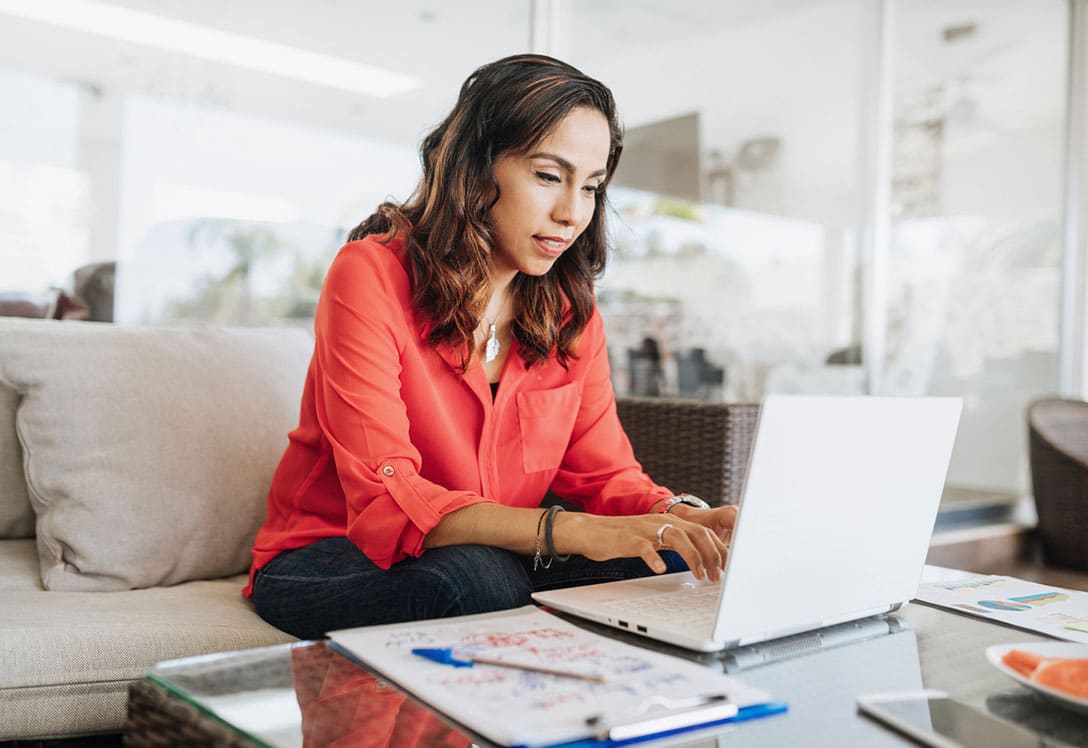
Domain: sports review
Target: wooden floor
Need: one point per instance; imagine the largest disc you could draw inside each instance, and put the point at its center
(1007, 550)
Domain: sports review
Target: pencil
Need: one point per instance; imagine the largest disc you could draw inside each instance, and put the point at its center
(538, 669)
(445, 656)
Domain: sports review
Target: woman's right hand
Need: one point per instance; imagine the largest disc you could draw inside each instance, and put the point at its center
(602, 538)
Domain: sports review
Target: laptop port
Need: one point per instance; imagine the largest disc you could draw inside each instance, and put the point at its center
(641, 628)
(624, 624)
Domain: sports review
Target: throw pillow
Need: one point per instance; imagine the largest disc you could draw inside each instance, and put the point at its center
(149, 451)
(16, 516)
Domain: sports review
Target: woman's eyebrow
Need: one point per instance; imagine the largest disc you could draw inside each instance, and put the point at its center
(565, 165)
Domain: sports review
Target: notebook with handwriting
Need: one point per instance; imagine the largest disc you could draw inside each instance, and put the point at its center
(643, 692)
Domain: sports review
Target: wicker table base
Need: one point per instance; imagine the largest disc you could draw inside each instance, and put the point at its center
(157, 719)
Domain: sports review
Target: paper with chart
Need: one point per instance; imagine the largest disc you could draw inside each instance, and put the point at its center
(517, 707)
(1053, 611)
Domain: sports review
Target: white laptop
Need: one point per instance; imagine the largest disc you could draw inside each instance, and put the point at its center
(834, 525)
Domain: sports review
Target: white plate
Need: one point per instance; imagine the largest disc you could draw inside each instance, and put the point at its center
(1046, 649)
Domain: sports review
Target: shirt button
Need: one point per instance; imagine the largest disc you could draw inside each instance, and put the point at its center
(388, 471)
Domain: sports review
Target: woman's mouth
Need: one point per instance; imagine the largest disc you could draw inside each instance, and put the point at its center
(551, 245)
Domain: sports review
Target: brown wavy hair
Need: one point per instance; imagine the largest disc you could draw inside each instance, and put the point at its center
(505, 107)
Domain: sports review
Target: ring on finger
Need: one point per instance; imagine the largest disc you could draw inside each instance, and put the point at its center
(661, 534)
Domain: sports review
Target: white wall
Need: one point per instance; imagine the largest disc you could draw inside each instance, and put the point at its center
(795, 76)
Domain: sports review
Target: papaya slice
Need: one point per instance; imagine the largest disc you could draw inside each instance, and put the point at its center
(1022, 662)
(1063, 674)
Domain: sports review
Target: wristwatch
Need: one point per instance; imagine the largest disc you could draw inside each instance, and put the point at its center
(682, 498)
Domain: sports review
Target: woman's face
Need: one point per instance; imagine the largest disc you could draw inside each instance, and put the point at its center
(547, 195)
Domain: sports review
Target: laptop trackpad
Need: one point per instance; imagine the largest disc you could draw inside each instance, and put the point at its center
(634, 588)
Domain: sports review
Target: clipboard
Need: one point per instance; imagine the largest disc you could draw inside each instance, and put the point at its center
(677, 720)
(646, 694)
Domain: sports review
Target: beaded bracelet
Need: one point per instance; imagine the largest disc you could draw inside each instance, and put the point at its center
(548, 535)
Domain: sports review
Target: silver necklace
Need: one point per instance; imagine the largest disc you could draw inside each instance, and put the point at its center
(491, 348)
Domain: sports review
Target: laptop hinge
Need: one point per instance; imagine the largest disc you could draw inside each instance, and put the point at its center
(780, 633)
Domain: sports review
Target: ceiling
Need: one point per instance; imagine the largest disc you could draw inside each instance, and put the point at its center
(441, 42)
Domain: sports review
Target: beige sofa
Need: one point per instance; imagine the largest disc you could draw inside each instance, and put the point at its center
(134, 464)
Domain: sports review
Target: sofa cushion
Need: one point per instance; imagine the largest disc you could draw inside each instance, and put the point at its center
(149, 451)
(66, 658)
(19, 569)
(16, 516)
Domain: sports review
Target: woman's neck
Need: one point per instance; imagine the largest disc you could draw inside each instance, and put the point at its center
(493, 335)
(500, 292)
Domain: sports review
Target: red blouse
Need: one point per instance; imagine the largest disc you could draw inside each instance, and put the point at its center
(392, 436)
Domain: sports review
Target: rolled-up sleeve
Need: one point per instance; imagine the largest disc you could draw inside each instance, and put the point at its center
(599, 470)
(361, 329)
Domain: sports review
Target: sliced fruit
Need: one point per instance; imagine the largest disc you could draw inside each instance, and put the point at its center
(1062, 674)
(1022, 662)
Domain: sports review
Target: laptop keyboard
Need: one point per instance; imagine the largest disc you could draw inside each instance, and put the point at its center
(697, 606)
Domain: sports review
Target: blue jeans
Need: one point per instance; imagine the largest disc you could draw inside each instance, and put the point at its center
(332, 585)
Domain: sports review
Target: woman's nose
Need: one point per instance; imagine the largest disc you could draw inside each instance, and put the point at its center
(572, 208)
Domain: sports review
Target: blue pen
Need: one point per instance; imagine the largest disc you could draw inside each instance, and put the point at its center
(707, 712)
(445, 657)
(755, 711)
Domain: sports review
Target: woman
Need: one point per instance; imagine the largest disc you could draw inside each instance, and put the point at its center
(459, 372)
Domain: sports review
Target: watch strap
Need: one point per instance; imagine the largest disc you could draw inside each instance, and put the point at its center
(668, 504)
(682, 498)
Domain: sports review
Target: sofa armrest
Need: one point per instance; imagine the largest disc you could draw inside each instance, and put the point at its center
(697, 447)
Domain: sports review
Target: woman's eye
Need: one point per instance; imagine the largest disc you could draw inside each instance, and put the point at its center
(592, 189)
(548, 177)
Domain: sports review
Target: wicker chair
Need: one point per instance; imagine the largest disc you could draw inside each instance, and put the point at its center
(1058, 452)
(698, 447)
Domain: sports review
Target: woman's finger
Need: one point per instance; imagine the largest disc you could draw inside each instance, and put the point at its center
(653, 559)
(676, 538)
(719, 519)
(728, 515)
(710, 549)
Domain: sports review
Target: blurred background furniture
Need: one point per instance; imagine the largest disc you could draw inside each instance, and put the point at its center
(645, 373)
(91, 297)
(1058, 451)
(93, 284)
(51, 304)
(697, 377)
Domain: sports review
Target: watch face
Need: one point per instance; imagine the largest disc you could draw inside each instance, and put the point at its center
(690, 500)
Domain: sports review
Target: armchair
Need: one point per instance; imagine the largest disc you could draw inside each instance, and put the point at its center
(692, 446)
(1058, 454)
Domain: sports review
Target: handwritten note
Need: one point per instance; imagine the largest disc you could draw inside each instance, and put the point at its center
(517, 707)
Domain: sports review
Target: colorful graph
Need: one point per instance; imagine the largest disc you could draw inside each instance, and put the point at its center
(1003, 605)
(1025, 602)
(969, 608)
(1048, 610)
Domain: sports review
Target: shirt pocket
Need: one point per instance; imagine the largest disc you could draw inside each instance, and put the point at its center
(546, 420)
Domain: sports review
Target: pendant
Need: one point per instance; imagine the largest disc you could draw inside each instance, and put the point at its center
(491, 350)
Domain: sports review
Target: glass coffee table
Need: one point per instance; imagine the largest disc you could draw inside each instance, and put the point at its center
(307, 694)
(285, 695)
